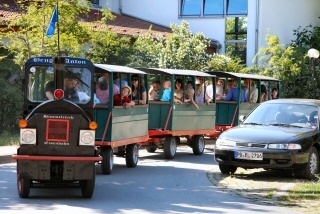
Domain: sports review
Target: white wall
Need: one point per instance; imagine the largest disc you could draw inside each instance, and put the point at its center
(277, 17)
(165, 12)
(281, 17)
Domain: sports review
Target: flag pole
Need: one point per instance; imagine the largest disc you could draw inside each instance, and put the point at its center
(58, 32)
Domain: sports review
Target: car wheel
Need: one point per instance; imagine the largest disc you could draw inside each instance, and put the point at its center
(227, 169)
(170, 147)
(198, 145)
(132, 155)
(87, 186)
(151, 147)
(312, 168)
(107, 160)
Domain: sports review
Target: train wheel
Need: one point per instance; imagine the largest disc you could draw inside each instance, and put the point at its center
(107, 160)
(170, 147)
(23, 185)
(132, 155)
(151, 147)
(87, 186)
(198, 144)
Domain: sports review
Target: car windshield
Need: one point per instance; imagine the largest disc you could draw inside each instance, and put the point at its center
(284, 114)
(41, 86)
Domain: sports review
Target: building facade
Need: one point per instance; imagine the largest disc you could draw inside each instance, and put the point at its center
(239, 26)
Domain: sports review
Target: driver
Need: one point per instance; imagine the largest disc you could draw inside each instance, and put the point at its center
(70, 89)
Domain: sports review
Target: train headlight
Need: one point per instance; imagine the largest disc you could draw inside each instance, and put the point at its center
(87, 138)
(28, 136)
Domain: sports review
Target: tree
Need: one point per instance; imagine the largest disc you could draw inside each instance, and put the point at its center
(181, 50)
(225, 63)
(30, 39)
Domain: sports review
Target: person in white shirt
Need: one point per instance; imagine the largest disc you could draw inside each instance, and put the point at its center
(251, 91)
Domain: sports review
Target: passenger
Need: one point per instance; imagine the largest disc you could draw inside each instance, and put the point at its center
(264, 93)
(102, 89)
(233, 94)
(166, 97)
(124, 97)
(136, 96)
(209, 91)
(230, 85)
(200, 90)
(70, 88)
(219, 89)
(274, 94)
(251, 91)
(178, 94)
(154, 90)
(116, 80)
(189, 98)
(50, 90)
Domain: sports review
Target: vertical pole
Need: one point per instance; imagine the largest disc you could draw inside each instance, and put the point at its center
(58, 31)
(314, 77)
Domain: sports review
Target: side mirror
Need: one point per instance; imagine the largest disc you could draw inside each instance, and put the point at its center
(14, 79)
(242, 118)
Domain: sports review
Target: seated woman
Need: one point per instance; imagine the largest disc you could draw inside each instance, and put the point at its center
(233, 93)
(154, 90)
(124, 97)
(189, 98)
(139, 94)
(264, 93)
(102, 89)
(178, 94)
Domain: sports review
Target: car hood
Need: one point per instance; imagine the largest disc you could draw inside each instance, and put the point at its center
(266, 134)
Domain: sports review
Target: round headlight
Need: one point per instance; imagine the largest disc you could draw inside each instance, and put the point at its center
(87, 138)
(28, 137)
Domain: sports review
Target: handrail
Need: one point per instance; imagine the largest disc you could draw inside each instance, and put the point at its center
(107, 125)
(234, 116)
(168, 118)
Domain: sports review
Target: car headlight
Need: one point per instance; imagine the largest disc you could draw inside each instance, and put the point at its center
(289, 146)
(87, 138)
(224, 142)
(28, 136)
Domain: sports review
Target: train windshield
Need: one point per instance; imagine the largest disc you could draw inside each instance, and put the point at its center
(41, 85)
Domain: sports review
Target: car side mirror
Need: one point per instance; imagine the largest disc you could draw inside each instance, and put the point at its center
(242, 118)
(14, 79)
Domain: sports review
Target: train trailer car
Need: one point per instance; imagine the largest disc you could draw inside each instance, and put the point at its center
(230, 112)
(122, 123)
(57, 133)
(170, 119)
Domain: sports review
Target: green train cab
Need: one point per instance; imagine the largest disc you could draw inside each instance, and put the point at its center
(256, 88)
(173, 115)
(120, 125)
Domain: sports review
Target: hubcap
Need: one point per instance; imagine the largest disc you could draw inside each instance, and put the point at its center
(313, 163)
(173, 147)
(201, 144)
(135, 154)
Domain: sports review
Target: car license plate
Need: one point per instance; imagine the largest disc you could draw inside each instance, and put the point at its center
(248, 155)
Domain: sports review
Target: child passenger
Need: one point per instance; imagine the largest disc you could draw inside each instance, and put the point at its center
(166, 97)
(124, 97)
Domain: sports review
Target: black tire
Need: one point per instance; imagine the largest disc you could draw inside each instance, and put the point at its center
(87, 186)
(312, 168)
(132, 155)
(170, 147)
(227, 169)
(107, 160)
(198, 145)
(23, 185)
(151, 147)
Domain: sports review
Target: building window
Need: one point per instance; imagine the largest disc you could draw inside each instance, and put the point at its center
(191, 7)
(95, 2)
(213, 7)
(202, 8)
(236, 37)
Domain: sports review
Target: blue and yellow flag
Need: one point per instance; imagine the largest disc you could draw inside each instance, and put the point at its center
(53, 22)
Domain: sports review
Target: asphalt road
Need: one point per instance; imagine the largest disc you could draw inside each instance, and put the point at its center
(154, 186)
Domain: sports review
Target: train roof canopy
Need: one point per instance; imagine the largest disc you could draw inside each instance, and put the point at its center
(117, 68)
(179, 72)
(242, 76)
